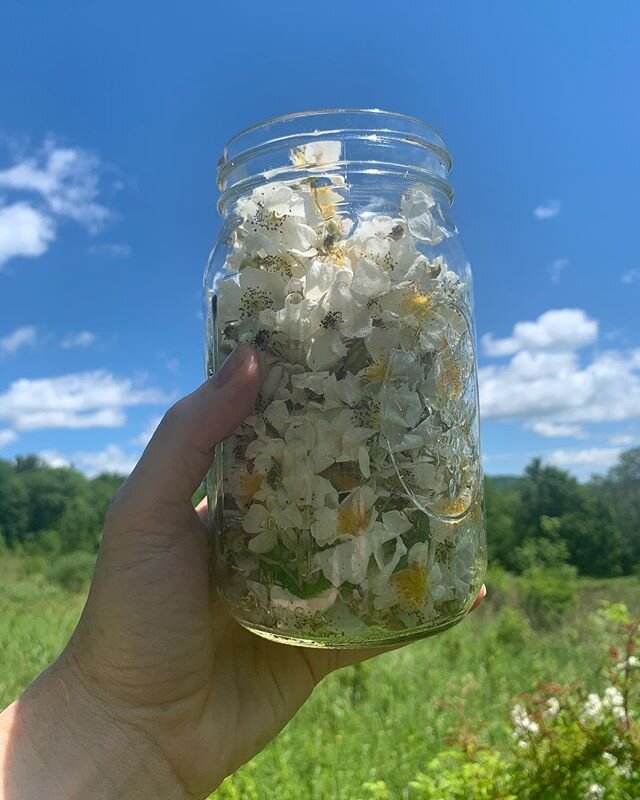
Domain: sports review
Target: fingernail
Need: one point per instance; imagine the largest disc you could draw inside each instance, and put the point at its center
(479, 597)
(232, 364)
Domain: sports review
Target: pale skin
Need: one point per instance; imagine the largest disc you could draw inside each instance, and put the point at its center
(160, 693)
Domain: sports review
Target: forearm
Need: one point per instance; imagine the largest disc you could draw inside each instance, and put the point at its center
(55, 742)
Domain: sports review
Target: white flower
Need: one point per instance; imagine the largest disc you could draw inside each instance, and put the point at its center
(633, 662)
(522, 722)
(326, 351)
(552, 708)
(275, 218)
(391, 527)
(369, 280)
(347, 561)
(284, 600)
(317, 153)
(249, 294)
(595, 792)
(609, 759)
(324, 527)
(592, 711)
(614, 701)
(423, 217)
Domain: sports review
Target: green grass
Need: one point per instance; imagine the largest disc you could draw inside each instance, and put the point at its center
(382, 720)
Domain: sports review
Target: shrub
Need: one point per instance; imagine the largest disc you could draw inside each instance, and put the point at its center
(566, 743)
(547, 594)
(512, 629)
(73, 571)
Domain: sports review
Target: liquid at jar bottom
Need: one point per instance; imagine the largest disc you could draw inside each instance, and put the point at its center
(346, 616)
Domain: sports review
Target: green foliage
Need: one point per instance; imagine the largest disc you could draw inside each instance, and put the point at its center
(621, 487)
(512, 629)
(541, 552)
(51, 510)
(548, 593)
(395, 714)
(72, 571)
(547, 518)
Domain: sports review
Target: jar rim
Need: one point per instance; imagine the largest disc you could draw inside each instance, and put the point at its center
(377, 127)
(325, 112)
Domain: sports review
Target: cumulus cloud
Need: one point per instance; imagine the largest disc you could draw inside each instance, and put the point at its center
(547, 210)
(82, 339)
(54, 459)
(45, 188)
(556, 268)
(24, 231)
(25, 336)
(144, 437)
(557, 387)
(7, 436)
(552, 387)
(622, 439)
(597, 458)
(550, 429)
(112, 459)
(76, 400)
(563, 329)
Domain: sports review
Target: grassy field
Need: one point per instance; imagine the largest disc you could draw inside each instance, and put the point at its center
(381, 721)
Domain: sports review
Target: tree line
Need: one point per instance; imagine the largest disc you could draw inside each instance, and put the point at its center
(545, 517)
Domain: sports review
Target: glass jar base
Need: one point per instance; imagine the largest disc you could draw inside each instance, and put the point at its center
(373, 639)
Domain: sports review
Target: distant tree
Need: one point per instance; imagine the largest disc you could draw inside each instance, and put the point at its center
(555, 507)
(622, 486)
(502, 536)
(14, 505)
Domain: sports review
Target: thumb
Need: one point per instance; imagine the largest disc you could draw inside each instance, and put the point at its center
(180, 452)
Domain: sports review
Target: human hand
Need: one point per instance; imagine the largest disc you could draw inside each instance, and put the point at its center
(157, 670)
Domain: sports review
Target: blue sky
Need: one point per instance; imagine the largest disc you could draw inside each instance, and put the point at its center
(113, 117)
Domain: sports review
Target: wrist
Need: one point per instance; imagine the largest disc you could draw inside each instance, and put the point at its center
(59, 741)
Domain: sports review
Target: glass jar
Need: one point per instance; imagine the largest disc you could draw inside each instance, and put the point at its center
(347, 510)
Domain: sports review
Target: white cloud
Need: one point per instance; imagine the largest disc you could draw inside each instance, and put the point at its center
(82, 339)
(556, 387)
(555, 429)
(145, 436)
(598, 458)
(7, 436)
(55, 184)
(24, 231)
(562, 329)
(111, 459)
(556, 268)
(547, 210)
(622, 439)
(113, 249)
(54, 459)
(76, 400)
(630, 276)
(20, 337)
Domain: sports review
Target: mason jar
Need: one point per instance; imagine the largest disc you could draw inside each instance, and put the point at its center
(347, 509)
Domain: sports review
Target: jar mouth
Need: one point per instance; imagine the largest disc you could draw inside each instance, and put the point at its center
(386, 139)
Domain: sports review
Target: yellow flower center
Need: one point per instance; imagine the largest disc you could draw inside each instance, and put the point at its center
(450, 371)
(418, 304)
(325, 200)
(353, 517)
(377, 372)
(249, 485)
(454, 506)
(411, 585)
